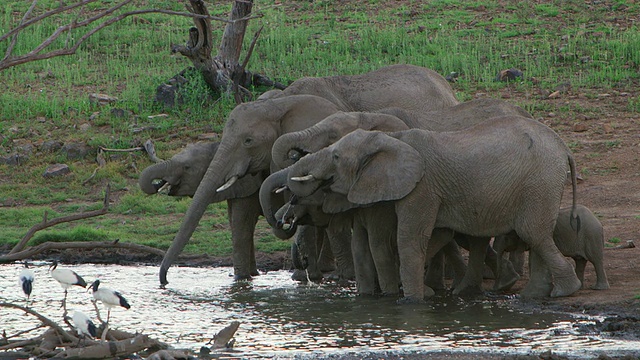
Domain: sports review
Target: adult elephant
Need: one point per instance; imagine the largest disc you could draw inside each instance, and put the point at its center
(504, 174)
(372, 224)
(252, 127)
(181, 175)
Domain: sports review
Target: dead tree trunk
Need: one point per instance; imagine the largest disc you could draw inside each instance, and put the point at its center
(224, 72)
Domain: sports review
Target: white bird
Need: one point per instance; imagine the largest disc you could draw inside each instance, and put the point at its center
(66, 278)
(84, 325)
(26, 282)
(109, 298)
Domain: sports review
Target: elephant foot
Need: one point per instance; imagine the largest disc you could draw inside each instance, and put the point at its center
(565, 286)
(241, 277)
(327, 265)
(468, 290)
(299, 275)
(410, 301)
(507, 278)
(601, 286)
(533, 291)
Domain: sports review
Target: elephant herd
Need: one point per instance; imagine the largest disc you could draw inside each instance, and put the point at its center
(382, 177)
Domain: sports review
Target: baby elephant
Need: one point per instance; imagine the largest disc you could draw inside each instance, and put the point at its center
(586, 244)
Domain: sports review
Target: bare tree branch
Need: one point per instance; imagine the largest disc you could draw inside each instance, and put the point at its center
(44, 319)
(10, 61)
(45, 224)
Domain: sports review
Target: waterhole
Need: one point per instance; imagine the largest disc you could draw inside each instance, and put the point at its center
(281, 317)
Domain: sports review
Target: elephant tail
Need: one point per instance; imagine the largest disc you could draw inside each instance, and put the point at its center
(574, 220)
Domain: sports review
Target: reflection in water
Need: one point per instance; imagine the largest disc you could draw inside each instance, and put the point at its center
(280, 316)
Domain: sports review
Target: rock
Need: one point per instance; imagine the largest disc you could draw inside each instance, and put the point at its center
(120, 113)
(13, 159)
(102, 99)
(84, 127)
(579, 127)
(56, 170)
(509, 75)
(51, 146)
(76, 151)
(607, 128)
(554, 95)
(167, 95)
(563, 87)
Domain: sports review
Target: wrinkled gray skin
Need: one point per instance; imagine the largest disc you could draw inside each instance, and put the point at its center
(586, 244)
(291, 147)
(504, 174)
(252, 128)
(182, 175)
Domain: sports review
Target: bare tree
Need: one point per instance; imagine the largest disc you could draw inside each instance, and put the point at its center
(224, 72)
(221, 72)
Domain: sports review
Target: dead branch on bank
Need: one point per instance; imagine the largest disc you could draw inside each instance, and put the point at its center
(48, 223)
(9, 60)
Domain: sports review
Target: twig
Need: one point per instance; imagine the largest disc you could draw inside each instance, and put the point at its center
(45, 224)
(123, 150)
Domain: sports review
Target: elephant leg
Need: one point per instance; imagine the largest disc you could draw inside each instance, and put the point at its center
(601, 283)
(307, 241)
(581, 264)
(365, 269)
(434, 274)
(595, 255)
(326, 260)
(243, 215)
(565, 281)
(471, 284)
(504, 273)
(340, 240)
(381, 227)
(516, 258)
(540, 283)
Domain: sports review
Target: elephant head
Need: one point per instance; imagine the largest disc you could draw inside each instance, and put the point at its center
(359, 168)
(289, 148)
(245, 149)
(182, 174)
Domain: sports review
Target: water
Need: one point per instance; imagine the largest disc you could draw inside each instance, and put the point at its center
(281, 317)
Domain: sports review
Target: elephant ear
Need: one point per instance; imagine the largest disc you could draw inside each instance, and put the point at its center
(336, 203)
(390, 172)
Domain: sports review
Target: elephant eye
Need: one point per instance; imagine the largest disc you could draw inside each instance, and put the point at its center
(248, 142)
(335, 156)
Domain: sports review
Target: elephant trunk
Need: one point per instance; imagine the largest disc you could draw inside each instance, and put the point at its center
(271, 202)
(204, 195)
(267, 194)
(153, 172)
(291, 147)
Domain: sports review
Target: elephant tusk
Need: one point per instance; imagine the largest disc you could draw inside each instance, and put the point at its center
(302, 178)
(227, 184)
(280, 189)
(164, 187)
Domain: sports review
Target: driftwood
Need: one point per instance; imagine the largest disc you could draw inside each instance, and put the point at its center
(122, 343)
(46, 223)
(30, 252)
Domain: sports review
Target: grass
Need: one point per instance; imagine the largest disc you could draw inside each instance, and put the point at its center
(49, 100)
